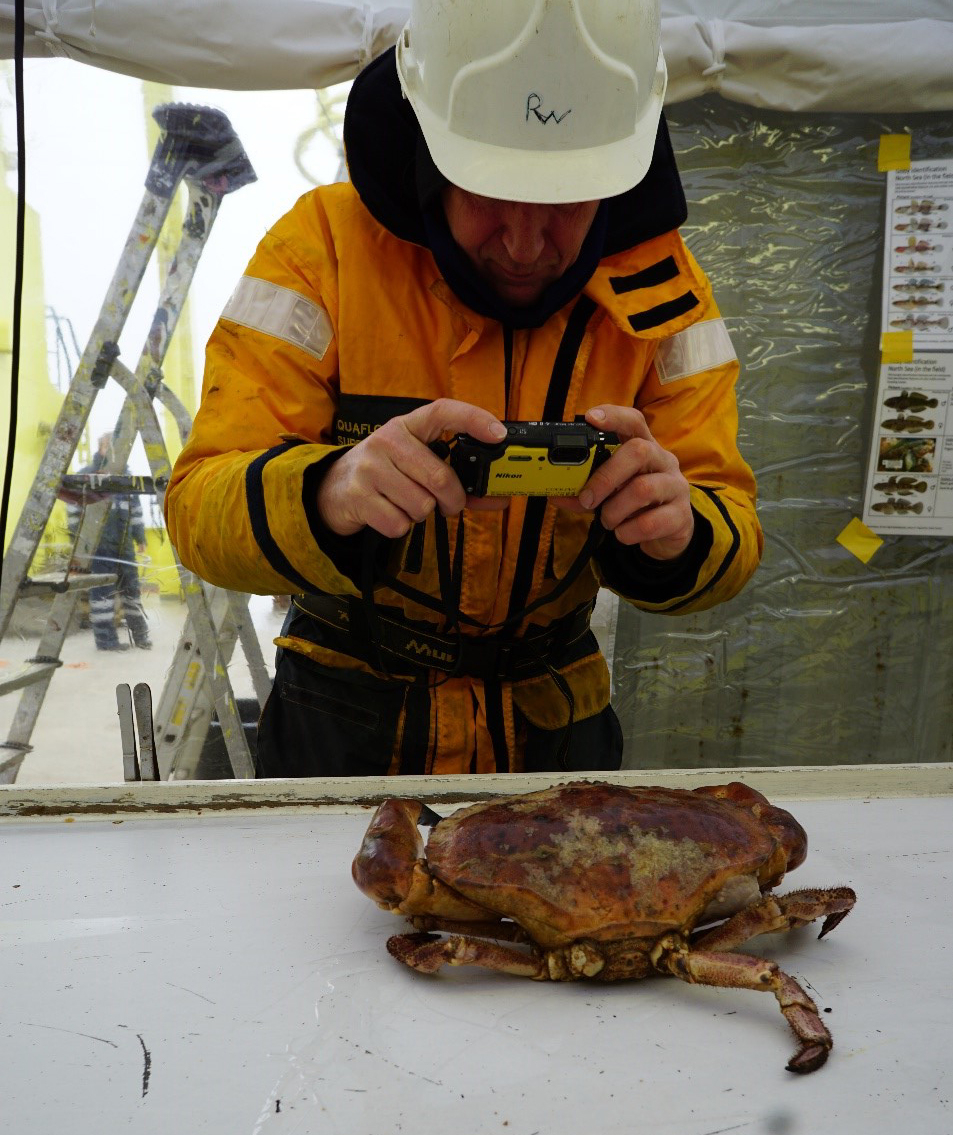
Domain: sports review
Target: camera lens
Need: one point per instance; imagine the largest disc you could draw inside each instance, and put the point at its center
(569, 449)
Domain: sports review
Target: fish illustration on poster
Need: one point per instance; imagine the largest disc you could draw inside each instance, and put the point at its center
(910, 472)
(918, 254)
(909, 486)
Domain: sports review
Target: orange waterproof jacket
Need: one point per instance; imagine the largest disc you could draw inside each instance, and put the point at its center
(339, 325)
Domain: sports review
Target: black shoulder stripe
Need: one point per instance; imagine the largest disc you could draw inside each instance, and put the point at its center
(651, 277)
(728, 557)
(663, 312)
(255, 498)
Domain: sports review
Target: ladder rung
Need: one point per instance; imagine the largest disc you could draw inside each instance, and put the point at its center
(34, 672)
(80, 582)
(95, 484)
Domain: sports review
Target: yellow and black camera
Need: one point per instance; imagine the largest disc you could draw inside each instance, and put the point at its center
(535, 459)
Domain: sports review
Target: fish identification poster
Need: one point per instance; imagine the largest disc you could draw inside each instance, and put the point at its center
(910, 473)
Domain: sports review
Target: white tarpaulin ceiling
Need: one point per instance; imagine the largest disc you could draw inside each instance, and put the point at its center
(844, 55)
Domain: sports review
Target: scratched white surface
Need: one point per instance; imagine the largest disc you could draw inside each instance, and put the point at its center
(223, 975)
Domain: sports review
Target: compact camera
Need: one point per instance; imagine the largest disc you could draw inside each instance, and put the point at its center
(535, 459)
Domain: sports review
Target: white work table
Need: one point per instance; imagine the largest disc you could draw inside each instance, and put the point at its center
(211, 968)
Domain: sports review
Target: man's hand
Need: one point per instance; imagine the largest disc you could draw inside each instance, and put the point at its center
(644, 497)
(392, 479)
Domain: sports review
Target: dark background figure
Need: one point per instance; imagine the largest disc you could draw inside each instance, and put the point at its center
(123, 534)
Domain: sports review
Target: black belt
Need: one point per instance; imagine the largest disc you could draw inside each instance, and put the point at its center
(344, 628)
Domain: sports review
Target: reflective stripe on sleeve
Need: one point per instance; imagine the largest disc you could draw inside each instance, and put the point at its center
(274, 310)
(697, 348)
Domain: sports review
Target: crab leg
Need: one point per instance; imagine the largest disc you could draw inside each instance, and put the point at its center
(779, 912)
(427, 953)
(742, 971)
(490, 928)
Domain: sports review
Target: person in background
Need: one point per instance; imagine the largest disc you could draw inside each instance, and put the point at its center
(123, 535)
(507, 249)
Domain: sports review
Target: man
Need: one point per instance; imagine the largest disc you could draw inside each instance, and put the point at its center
(122, 535)
(507, 250)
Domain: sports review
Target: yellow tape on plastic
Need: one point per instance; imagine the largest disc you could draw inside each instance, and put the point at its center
(896, 347)
(858, 539)
(894, 152)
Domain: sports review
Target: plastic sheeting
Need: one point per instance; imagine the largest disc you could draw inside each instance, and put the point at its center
(825, 55)
(821, 659)
(225, 44)
(880, 67)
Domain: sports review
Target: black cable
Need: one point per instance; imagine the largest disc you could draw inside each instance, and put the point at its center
(19, 36)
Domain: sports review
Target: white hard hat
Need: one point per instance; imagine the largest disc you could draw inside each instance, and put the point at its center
(548, 101)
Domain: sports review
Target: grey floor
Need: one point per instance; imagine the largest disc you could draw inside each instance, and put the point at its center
(76, 739)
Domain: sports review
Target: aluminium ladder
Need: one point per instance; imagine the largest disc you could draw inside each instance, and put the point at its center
(199, 148)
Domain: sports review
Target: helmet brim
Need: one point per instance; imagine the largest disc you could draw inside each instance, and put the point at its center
(547, 177)
(544, 176)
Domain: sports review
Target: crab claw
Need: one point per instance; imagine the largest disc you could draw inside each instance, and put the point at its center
(809, 1059)
(384, 866)
(391, 868)
(838, 916)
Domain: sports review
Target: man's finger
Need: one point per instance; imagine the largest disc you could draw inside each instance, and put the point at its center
(448, 415)
(634, 458)
(625, 421)
(425, 470)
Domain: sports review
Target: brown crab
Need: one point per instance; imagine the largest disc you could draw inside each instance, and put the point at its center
(592, 880)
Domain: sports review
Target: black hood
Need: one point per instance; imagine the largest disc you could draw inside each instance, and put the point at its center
(400, 188)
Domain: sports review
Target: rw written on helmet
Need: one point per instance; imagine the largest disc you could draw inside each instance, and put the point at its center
(548, 101)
